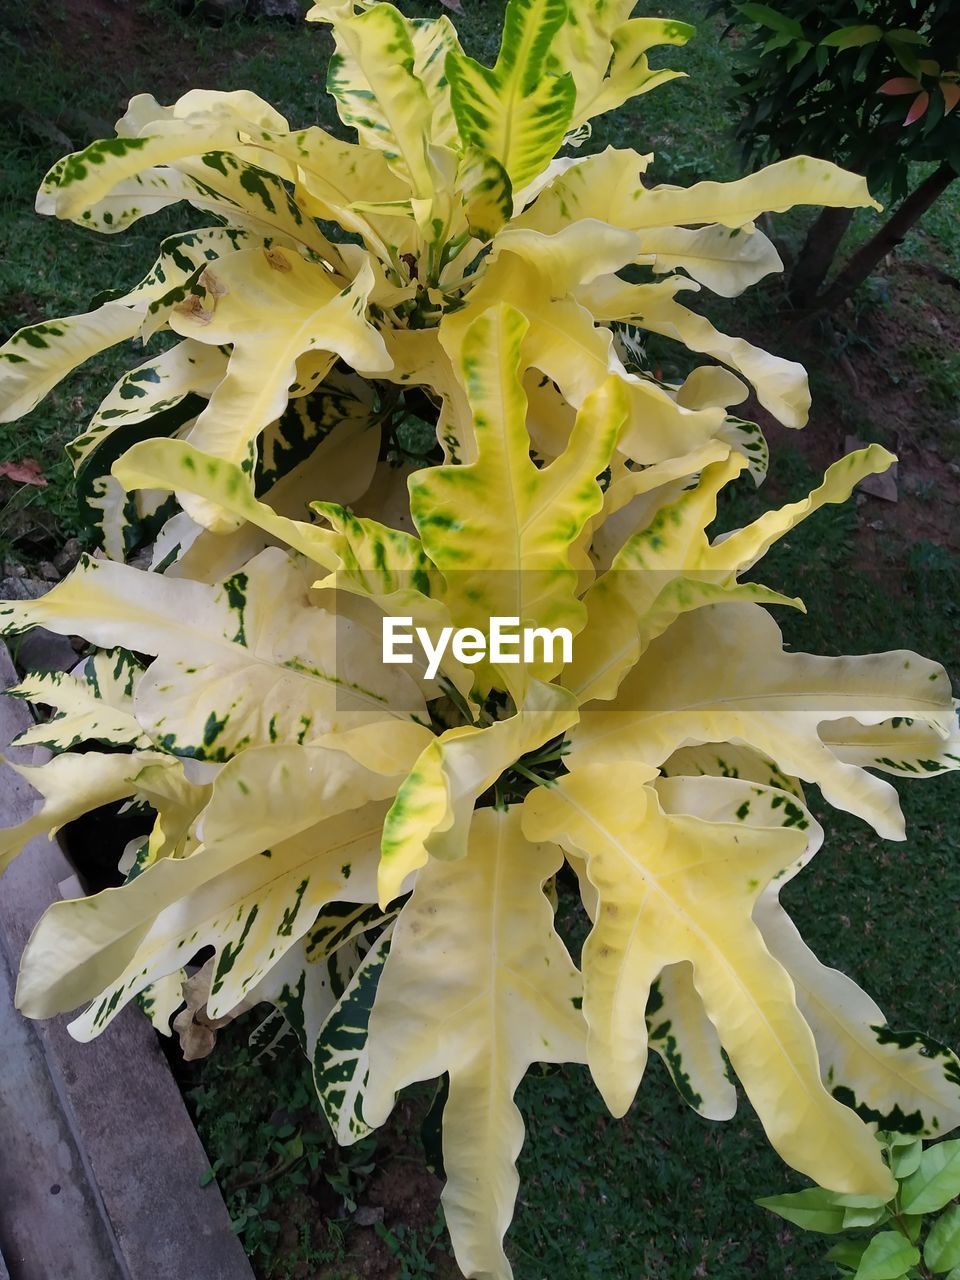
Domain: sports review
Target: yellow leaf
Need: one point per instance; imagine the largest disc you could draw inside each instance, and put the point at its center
(287, 829)
(513, 561)
(273, 308)
(608, 186)
(441, 1006)
(674, 888)
(722, 674)
(432, 813)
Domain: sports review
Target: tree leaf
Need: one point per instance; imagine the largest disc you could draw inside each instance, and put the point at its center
(941, 1251)
(852, 37)
(936, 1182)
(768, 17)
(813, 1210)
(888, 1256)
(900, 85)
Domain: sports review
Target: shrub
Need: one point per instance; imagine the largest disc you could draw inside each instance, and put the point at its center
(370, 850)
(870, 83)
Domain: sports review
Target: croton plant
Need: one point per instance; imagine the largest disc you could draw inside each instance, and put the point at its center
(407, 380)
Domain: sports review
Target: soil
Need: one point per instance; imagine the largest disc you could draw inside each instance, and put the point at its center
(402, 1189)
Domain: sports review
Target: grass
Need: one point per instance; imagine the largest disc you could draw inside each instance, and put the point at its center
(661, 1195)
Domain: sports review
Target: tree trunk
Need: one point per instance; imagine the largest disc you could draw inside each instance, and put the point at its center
(869, 257)
(817, 255)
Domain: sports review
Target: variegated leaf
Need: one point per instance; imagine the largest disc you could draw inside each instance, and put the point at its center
(670, 566)
(686, 1040)
(286, 830)
(285, 319)
(565, 344)
(83, 709)
(722, 675)
(674, 888)
(341, 1059)
(608, 186)
(70, 785)
(442, 1007)
(434, 807)
(513, 561)
(518, 110)
(249, 661)
(36, 358)
(374, 78)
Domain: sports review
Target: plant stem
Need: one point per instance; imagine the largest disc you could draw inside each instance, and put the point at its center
(817, 255)
(869, 257)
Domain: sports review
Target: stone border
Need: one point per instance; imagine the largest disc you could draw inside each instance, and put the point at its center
(100, 1176)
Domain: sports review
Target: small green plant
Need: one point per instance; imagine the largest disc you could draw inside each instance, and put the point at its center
(412, 1248)
(916, 1233)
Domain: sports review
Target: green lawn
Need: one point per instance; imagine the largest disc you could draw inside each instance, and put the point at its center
(661, 1195)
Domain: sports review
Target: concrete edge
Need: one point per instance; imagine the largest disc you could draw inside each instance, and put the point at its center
(138, 1145)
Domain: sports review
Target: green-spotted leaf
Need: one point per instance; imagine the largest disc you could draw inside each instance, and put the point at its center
(487, 193)
(721, 673)
(189, 371)
(341, 400)
(161, 1000)
(897, 1079)
(518, 110)
(513, 561)
(322, 446)
(216, 182)
(640, 858)
(687, 1042)
(235, 667)
(84, 711)
(249, 900)
(378, 93)
(608, 186)
(285, 319)
(434, 806)
(36, 358)
(341, 1054)
(565, 344)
